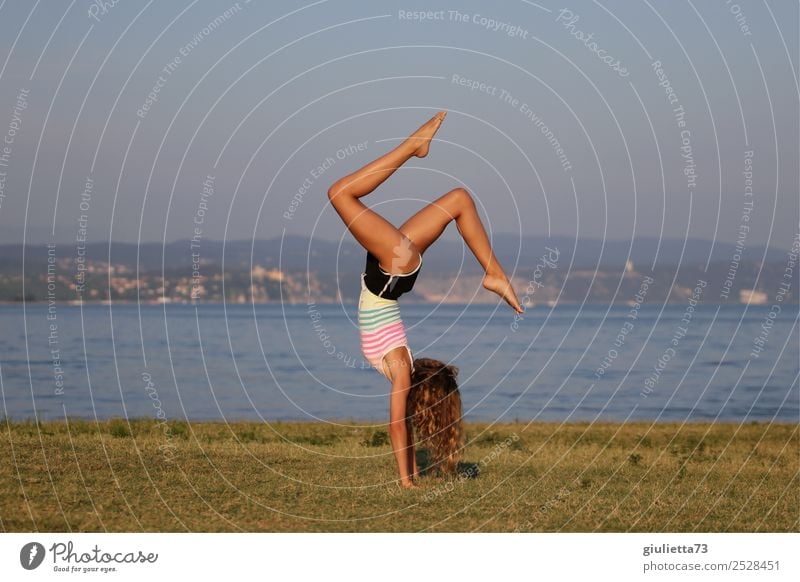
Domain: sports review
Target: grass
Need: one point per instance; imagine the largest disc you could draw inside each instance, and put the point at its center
(142, 475)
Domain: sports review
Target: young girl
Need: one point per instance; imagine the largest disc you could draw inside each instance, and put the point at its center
(424, 393)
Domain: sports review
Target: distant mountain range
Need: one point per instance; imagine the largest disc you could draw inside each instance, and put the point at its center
(299, 253)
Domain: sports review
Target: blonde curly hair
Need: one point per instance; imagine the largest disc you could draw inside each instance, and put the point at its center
(434, 412)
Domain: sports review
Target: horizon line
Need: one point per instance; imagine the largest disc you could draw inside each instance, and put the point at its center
(332, 241)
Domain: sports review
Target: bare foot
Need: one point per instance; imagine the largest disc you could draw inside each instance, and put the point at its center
(409, 485)
(502, 287)
(422, 137)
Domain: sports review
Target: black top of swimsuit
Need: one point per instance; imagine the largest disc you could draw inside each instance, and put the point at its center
(384, 285)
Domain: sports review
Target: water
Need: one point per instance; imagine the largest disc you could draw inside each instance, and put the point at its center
(289, 362)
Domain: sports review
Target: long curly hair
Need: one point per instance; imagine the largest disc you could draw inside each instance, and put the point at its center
(434, 412)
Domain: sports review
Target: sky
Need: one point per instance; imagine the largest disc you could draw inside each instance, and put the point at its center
(158, 121)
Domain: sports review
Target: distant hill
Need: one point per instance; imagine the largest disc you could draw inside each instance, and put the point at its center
(294, 253)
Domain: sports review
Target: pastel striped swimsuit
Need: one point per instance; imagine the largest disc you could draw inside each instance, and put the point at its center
(380, 326)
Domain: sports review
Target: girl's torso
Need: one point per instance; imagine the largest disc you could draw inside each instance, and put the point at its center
(386, 285)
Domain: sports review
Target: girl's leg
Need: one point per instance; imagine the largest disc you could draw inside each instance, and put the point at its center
(394, 251)
(429, 223)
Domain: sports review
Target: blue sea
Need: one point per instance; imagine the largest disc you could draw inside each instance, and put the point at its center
(271, 362)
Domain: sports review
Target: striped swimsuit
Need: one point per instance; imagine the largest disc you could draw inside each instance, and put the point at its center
(380, 326)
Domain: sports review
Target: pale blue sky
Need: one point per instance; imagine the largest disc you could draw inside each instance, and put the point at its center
(279, 87)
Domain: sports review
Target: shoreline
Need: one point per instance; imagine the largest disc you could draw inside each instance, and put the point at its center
(106, 302)
(365, 423)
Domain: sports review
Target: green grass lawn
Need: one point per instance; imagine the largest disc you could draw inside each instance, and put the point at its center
(205, 476)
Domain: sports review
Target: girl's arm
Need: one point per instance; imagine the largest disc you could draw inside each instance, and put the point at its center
(400, 372)
(412, 456)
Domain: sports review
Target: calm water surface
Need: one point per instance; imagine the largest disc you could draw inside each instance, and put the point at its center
(299, 362)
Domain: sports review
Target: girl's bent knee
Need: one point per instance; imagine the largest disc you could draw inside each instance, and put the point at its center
(462, 195)
(334, 191)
